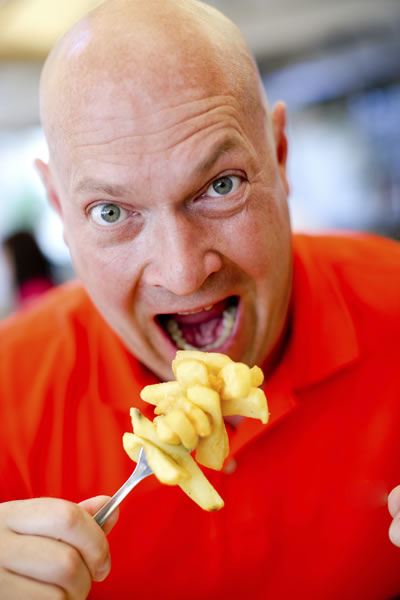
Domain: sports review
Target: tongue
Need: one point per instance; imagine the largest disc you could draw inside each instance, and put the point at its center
(202, 334)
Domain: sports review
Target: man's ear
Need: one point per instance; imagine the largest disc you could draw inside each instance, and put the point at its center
(47, 180)
(281, 144)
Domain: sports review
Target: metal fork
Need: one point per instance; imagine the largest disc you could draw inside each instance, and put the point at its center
(141, 471)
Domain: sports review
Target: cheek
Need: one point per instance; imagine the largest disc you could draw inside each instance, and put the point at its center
(105, 272)
(109, 269)
(260, 239)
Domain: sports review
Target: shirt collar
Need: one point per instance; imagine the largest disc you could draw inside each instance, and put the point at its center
(323, 338)
(321, 341)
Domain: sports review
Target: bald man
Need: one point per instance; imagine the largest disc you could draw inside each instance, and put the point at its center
(128, 130)
(168, 170)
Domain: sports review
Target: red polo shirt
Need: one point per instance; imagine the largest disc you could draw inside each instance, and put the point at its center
(305, 496)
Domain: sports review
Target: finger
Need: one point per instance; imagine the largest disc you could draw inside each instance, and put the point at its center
(48, 561)
(66, 521)
(394, 501)
(21, 587)
(394, 531)
(92, 505)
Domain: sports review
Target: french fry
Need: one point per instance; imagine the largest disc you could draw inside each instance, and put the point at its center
(213, 360)
(191, 414)
(197, 417)
(154, 394)
(207, 399)
(216, 383)
(164, 432)
(254, 406)
(200, 490)
(197, 485)
(257, 376)
(212, 450)
(162, 465)
(170, 403)
(191, 372)
(237, 381)
(179, 423)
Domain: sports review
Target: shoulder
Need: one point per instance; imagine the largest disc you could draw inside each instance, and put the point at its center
(344, 247)
(43, 343)
(52, 316)
(365, 266)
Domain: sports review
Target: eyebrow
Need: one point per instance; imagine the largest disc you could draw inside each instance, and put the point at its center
(210, 161)
(88, 184)
(97, 186)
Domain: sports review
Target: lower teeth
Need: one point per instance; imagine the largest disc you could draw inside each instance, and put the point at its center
(228, 321)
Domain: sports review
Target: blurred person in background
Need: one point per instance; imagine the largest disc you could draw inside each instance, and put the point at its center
(31, 271)
(168, 170)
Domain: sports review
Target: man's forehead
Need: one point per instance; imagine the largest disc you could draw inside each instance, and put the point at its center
(155, 79)
(197, 167)
(101, 72)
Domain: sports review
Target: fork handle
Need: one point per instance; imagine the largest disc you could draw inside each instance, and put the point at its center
(111, 504)
(141, 471)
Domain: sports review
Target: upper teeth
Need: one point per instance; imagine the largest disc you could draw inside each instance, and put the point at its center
(193, 312)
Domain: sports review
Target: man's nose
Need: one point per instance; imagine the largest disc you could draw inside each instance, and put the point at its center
(182, 257)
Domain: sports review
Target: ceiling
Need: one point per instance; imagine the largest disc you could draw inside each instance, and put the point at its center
(279, 32)
(29, 28)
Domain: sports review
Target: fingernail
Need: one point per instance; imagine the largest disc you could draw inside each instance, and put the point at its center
(103, 571)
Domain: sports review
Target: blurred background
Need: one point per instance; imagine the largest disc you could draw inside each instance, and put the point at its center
(336, 64)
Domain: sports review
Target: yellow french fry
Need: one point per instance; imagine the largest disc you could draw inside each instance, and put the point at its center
(199, 418)
(154, 394)
(207, 399)
(208, 387)
(191, 372)
(179, 423)
(163, 466)
(200, 490)
(257, 376)
(216, 383)
(197, 487)
(237, 381)
(214, 360)
(169, 403)
(212, 450)
(254, 405)
(164, 432)
(196, 416)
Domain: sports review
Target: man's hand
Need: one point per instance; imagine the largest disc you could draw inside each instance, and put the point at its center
(52, 549)
(394, 509)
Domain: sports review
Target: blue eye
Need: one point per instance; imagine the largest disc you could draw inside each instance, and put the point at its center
(108, 214)
(223, 186)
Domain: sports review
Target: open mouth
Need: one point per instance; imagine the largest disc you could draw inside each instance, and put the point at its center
(206, 329)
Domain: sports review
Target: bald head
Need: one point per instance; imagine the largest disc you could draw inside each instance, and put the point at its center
(147, 53)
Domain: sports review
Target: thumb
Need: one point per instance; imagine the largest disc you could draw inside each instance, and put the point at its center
(394, 501)
(92, 505)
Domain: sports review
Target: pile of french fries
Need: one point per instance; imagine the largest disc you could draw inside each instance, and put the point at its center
(190, 417)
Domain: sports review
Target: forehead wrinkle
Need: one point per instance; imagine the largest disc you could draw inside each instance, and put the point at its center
(170, 115)
(155, 142)
(92, 185)
(224, 147)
